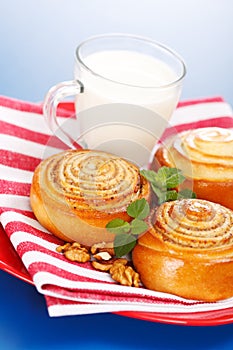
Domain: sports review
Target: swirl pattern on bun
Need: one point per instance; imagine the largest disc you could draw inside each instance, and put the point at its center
(188, 250)
(76, 193)
(192, 223)
(205, 156)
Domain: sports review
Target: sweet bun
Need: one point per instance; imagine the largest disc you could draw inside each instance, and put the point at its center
(188, 251)
(205, 156)
(75, 193)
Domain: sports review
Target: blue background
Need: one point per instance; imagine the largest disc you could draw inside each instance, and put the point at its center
(38, 40)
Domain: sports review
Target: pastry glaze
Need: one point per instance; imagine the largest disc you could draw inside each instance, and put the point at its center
(205, 156)
(75, 193)
(188, 250)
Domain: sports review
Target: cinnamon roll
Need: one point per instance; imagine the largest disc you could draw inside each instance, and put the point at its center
(205, 156)
(75, 193)
(188, 250)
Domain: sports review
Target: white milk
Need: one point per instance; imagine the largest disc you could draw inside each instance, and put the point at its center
(138, 85)
(130, 78)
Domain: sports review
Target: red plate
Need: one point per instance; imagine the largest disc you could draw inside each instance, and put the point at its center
(11, 263)
(9, 259)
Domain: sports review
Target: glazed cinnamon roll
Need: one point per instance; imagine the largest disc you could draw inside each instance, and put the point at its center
(74, 194)
(205, 156)
(188, 251)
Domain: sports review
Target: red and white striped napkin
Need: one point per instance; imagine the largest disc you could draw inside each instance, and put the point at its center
(72, 288)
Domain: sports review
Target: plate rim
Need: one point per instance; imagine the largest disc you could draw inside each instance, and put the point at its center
(204, 318)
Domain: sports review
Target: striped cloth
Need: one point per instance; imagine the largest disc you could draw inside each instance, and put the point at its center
(71, 288)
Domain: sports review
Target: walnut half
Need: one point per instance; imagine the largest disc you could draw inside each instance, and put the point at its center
(104, 260)
(75, 252)
(100, 266)
(119, 270)
(103, 247)
(124, 274)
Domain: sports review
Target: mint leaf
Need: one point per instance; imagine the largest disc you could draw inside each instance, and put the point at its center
(157, 190)
(150, 175)
(138, 209)
(162, 183)
(171, 195)
(167, 196)
(118, 226)
(123, 244)
(170, 177)
(186, 193)
(138, 226)
(165, 177)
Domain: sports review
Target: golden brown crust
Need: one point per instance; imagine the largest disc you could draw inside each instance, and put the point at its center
(210, 176)
(188, 251)
(74, 194)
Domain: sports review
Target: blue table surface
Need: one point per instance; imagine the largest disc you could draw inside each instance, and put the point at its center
(24, 324)
(38, 41)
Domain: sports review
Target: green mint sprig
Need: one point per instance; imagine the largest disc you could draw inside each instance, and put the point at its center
(163, 183)
(126, 232)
